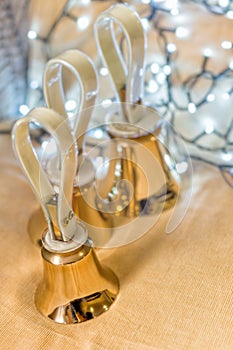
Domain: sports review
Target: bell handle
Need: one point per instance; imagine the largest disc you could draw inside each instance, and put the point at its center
(57, 207)
(127, 79)
(84, 72)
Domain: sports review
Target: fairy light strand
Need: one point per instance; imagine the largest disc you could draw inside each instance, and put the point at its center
(161, 75)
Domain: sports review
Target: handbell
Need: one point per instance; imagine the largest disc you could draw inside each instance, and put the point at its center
(75, 286)
(143, 175)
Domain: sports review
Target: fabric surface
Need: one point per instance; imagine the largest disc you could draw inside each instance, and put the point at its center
(176, 291)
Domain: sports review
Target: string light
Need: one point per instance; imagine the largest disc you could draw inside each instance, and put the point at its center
(182, 32)
(207, 52)
(209, 128)
(171, 47)
(160, 83)
(83, 22)
(226, 45)
(155, 68)
(210, 98)
(192, 108)
(23, 109)
(227, 156)
(152, 86)
(104, 71)
(32, 35)
(167, 69)
(34, 84)
(70, 105)
(168, 102)
(229, 14)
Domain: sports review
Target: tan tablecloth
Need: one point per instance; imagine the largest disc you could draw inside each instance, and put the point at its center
(176, 290)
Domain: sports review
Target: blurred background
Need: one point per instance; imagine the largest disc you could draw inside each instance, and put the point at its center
(188, 73)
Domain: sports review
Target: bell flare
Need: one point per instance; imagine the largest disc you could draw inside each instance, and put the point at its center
(75, 286)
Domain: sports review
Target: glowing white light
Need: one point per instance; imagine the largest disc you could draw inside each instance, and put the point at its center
(152, 86)
(24, 109)
(70, 115)
(207, 52)
(161, 78)
(231, 65)
(104, 71)
(226, 96)
(223, 3)
(210, 98)
(106, 103)
(85, 2)
(34, 84)
(154, 68)
(174, 12)
(145, 1)
(171, 47)
(32, 35)
(70, 105)
(83, 22)
(192, 108)
(209, 127)
(167, 70)
(181, 167)
(226, 45)
(145, 23)
(182, 32)
(98, 134)
(227, 156)
(229, 14)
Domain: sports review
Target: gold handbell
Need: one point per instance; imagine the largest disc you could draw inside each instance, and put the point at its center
(142, 181)
(75, 286)
(139, 183)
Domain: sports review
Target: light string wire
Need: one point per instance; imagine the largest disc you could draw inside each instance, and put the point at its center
(166, 102)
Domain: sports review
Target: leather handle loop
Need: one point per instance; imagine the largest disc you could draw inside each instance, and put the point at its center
(127, 81)
(84, 72)
(57, 208)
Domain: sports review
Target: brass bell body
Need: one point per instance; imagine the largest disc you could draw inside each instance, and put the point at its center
(142, 182)
(138, 154)
(75, 287)
(136, 186)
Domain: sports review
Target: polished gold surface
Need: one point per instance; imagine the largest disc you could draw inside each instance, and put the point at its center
(135, 188)
(75, 287)
(98, 224)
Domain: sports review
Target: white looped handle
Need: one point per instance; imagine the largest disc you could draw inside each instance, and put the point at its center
(84, 72)
(57, 208)
(128, 81)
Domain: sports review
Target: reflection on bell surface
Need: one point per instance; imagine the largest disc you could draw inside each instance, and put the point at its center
(142, 182)
(135, 162)
(75, 287)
